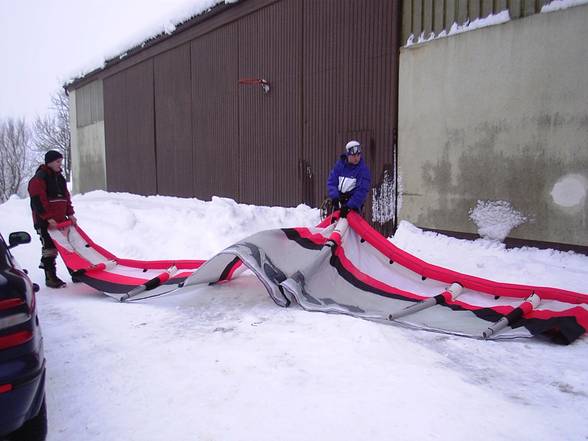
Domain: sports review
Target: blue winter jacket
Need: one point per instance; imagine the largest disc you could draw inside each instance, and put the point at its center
(350, 180)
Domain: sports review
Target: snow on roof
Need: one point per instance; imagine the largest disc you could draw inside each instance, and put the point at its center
(166, 25)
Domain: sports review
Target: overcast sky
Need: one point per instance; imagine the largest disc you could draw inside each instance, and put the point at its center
(45, 42)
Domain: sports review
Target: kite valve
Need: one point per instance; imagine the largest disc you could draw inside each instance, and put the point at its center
(517, 313)
(534, 299)
(338, 232)
(455, 290)
(150, 284)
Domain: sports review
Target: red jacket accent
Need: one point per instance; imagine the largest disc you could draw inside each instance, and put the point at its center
(50, 198)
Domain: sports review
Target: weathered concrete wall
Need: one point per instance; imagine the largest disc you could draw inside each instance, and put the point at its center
(499, 113)
(88, 152)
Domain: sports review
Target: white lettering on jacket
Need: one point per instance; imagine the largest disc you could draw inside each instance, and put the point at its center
(346, 184)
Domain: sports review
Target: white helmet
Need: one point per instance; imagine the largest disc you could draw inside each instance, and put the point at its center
(353, 147)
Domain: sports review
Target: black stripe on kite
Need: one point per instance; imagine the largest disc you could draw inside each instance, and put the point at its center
(225, 274)
(294, 235)
(117, 288)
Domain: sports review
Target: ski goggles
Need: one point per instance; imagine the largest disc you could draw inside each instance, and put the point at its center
(355, 150)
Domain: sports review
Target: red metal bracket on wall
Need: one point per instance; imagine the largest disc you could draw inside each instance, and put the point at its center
(252, 81)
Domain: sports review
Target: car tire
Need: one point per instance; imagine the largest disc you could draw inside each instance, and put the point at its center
(34, 429)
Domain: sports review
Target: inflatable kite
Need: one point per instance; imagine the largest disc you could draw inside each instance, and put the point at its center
(119, 278)
(344, 266)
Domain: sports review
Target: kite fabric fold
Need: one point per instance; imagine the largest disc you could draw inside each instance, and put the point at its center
(345, 266)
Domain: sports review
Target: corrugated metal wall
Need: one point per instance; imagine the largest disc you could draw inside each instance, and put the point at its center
(173, 122)
(270, 44)
(433, 16)
(130, 130)
(215, 114)
(89, 104)
(332, 70)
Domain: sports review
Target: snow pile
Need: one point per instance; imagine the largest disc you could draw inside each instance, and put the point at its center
(478, 23)
(492, 260)
(557, 5)
(164, 227)
(496, 219)
(225, 363)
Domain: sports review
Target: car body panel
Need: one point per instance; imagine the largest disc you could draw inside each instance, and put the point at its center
(22, 363)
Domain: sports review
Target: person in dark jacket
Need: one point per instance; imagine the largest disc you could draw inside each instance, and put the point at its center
(50, 204)
(350, 180)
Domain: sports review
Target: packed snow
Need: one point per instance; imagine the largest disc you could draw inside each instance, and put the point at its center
(496, 219)
(225, 363)
(384, 200)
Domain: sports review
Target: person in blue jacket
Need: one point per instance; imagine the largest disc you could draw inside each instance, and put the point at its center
(350, 180)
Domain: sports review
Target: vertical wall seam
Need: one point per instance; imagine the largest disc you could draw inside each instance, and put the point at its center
(154, 124)
(238, 26)
(192, 190)
(302, 161)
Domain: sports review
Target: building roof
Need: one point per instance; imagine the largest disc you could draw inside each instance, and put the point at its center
(192, 16)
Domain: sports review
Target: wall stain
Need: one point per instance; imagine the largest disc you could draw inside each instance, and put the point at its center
(524, 176)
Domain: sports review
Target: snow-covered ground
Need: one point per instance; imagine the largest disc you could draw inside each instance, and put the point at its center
(226, 363)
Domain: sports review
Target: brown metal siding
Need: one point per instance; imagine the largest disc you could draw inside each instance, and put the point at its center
(332, 69)
(173, 122)
(129, 130)
(270, 124)
(349, 84)
(215, 113)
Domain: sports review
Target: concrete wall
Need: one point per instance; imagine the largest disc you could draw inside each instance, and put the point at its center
(499, 113)
(88, 151)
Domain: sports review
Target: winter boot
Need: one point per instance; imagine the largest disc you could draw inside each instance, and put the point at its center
(51, 279)
(74, 279)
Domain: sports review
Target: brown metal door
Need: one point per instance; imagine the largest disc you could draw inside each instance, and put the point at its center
(215, 114)
(129, 130)
(173, 122)
(270, 123)
(350, 86)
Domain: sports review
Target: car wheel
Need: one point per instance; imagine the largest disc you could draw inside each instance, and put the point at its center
(34, 429)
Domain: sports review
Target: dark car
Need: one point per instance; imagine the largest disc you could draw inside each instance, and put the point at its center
(23, 415)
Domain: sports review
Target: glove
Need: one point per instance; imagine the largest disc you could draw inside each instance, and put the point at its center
(344, 211)
(335, 203)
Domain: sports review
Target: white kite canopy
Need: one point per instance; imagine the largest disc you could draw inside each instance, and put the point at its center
(345, 266)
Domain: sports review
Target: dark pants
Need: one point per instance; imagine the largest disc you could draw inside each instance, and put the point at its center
(48, 251)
